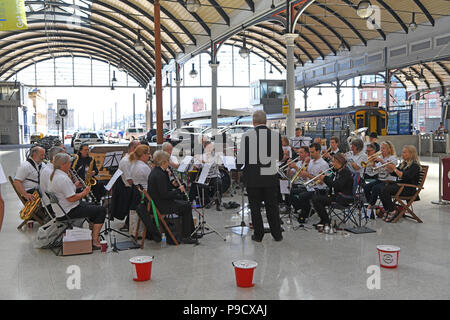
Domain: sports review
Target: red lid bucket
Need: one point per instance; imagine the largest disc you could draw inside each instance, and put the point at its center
(244, 272)
(388, 256)
(142, 268)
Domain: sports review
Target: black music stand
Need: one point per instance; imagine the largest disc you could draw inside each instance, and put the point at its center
(111, 160)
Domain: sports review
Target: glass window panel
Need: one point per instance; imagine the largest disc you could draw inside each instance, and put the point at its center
(100, 73)
(225, 70)
(45, 72)
(82, 71)
(205, 69)
(256, 68)
(240, 69)
(188, 80)
(64, 71)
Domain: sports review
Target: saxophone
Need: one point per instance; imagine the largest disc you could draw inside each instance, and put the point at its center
(31, 207)
(90, 181)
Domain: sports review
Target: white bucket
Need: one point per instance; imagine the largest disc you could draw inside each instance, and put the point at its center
(388, 256)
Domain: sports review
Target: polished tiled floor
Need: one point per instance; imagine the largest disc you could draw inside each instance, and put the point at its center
(305, 265)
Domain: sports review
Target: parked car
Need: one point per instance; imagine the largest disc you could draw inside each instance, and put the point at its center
(184, 132)
(234, 133)
(133, 133)
(89, 137)
(166, 135)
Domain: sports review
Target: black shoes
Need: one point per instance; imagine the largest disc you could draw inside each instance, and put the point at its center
(218, 207)
(256, 239)
(301, 220)
(279, 239)
(189, 240)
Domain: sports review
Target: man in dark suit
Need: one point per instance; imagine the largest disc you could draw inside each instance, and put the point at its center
(257, 158)
(169, 199)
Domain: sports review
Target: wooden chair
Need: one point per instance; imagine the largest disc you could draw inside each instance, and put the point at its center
(35, 216)
(160, 218)
(406, 202)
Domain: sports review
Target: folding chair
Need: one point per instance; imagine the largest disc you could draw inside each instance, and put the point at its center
(56, 245)
(406, 202)
(160, 218)
(351, 212)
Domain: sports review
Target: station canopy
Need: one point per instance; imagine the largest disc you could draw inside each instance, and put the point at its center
(108, 30)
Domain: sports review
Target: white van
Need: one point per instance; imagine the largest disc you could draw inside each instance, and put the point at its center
(133, 133)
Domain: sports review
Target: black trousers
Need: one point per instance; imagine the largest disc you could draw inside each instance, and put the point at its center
(214, 185)
(95, 214)
(184, 210)
(302, 201)
(269, 196)
(372, 191)
(321, 201)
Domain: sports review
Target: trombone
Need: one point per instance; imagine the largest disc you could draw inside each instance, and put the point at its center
(288, 163)
(303, 167)
(316, 177)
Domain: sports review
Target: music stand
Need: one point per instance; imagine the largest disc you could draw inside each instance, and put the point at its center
(111, 161)
(202, 224)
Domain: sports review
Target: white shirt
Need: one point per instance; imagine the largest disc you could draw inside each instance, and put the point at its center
(45, 182)
(26, 172)
(299, 164)
(63, 188)
(125, 166)
(174, 159)
(139, 172)
(383, 174)
(2, 175)
(360, 157)
(314, 168)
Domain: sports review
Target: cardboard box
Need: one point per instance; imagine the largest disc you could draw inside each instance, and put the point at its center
(77, 247)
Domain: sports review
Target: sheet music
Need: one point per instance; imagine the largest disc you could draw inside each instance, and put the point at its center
(229, 162)
(204, 173)
(284, 187)
(111, 182)
(2, 175)
(185, 164)
(112, 159)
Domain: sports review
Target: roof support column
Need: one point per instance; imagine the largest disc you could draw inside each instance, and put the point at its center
(159, 110)
(338, 94)
(387, 84)
(214, 67)
(171, 101)
(290, 83)
(178, 82)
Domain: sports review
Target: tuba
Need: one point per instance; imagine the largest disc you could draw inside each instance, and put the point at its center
(31, 207)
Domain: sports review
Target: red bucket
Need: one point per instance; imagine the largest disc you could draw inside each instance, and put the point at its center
(244, 272)
(142, 268)
(388, 256)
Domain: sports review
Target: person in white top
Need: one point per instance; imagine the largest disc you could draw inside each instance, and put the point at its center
(315, 166)
(139, 169)
(334, 149)
(173, 161)
(303, 158)
(373, 190)
(45, 178)
(2, 204)
(27, 176)
(356, 156)
(124, 164)
(69, 200)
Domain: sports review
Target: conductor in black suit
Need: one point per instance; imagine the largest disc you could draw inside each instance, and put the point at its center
(257, 158)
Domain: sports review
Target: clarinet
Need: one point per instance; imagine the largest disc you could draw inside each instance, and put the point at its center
(179, 183)
(75, 175)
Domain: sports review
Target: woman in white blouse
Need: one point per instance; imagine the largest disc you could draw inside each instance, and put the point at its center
(139, 169)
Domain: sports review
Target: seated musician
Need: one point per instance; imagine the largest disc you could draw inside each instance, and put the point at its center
(121, 194)
(297, 185)
(287, 151)
(334, 149)
(173, 161)
(45, 177)
(356, 156)
(369, 173)
(139, 168)
(316, 165)
(407, 172)
(303, 158)
(297, 140)
(85, 166)
(168, 199)
(65, 191)
(28, 174)
(213, 181)
(373, 140)
(373, 189)
(340, 185)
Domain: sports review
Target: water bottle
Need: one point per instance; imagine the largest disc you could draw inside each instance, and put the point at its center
(163, 240)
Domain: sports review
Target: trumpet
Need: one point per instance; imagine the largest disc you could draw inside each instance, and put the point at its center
(385, 164)
(316, 177)
(326, 152)
(370, 159)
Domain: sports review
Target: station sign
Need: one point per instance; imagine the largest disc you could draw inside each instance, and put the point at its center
(285, 105)
(62, 108)
(13, 15)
